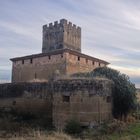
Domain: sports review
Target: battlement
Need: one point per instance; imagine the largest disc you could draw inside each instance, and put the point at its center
(61, 23)
(62, 34)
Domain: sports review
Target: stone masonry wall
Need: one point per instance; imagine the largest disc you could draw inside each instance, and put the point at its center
(77, 64)
(87, 100)
(27, 99)
(41, 68)
(45, 67)
(61, 35)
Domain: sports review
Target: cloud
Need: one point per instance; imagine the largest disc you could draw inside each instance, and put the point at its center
(110, 29)
(21, 30)
(130, 71)
(134, 73)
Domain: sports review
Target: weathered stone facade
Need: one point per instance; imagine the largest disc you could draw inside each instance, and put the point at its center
(43, 66)
(87, 100)
(61, 52)
(60, 36)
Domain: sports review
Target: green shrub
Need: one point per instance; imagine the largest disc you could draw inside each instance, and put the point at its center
(73, 127)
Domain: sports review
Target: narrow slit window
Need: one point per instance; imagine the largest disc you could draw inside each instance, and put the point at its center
(31, 60)
(22, 61)
(86, 60)
(49, 57)
(35, 76)
(78, 58)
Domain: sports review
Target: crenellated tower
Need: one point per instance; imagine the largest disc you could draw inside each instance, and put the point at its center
(60, 36)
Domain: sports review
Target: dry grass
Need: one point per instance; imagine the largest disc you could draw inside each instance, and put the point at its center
(40, 136)
(117, 130)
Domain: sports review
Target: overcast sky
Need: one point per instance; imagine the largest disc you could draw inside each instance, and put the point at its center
(110, 30)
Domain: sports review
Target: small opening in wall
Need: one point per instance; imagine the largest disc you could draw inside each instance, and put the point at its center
(61, 55)
(22, 61)
(93, 63)
(99, 64)
(86, 60)
(66, 98)
(14, 103)
(78, 58)
(49, 57)
(31, 60)
(108, 99)
(35, 75)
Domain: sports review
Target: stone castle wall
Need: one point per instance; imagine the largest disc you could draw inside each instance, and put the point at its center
(87, 100)
(27, 99)
(41, 68)
(45, 67)
(61, 35)
(78, 64)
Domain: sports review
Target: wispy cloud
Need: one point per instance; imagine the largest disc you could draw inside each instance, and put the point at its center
(134, 73)
(21, 30)
(110, 30)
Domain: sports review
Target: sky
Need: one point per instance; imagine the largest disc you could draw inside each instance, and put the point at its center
(110, 30)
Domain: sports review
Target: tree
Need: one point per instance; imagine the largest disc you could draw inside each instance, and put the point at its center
(124, 91)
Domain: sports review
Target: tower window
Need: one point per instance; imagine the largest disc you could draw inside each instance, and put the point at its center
(22, 61)
(93, 62)
(78, 58)
(49, 57)
(99, 64)
(31, 60)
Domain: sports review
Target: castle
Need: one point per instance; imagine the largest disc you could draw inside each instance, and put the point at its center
(61, 53)
(53, 101)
